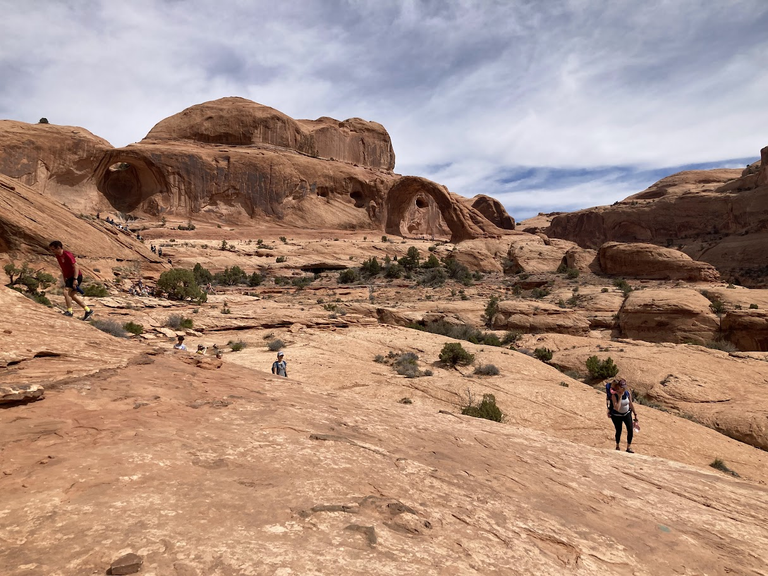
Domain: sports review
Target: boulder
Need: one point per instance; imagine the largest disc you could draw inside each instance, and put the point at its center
(668, 315)
(537, 317)
(649, 261)
(583, 260)
(493, 210)
(127, 564)
(10, 393)
(530, 253)
(746, 329)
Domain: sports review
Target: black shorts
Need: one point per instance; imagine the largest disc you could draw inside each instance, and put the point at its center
(70, 282)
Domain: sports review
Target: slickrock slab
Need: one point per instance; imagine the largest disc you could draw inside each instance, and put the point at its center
(20, 392)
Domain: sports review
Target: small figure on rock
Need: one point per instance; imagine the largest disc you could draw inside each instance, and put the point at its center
(72, 278)
(279, 365)
(201, 349)
(180, 343)
(620, 409)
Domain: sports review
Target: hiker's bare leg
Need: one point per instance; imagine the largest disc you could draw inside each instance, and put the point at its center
(67, 298)
(76, 297)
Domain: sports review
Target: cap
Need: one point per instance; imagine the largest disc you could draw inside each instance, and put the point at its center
(280, 353)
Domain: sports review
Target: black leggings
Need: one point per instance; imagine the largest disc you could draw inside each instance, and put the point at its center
(618, 421)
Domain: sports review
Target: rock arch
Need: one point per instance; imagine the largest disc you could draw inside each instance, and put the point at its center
(127, 179)
(463, 222)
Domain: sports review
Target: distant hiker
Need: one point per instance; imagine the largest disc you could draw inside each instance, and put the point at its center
(620, 409)
(159, 251)
(201, 349)
(72, 278)
(98, 215)
(279, 366)
(180, 343)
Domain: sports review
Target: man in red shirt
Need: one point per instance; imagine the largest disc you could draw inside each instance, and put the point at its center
(72, 278)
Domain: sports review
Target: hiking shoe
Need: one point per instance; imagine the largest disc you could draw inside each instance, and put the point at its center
(630, 450)
(68, 314)
(87, 315)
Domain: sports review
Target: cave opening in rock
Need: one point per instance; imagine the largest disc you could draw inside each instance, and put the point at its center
(359, 199)
(128, 181)
(421, 202)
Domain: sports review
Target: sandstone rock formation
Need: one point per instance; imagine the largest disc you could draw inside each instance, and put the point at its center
(538, 317)
(58, 161)
(493, 210)
(29, 221)
(531, 253)
(668, 315)
(716, 216)
(637, 260)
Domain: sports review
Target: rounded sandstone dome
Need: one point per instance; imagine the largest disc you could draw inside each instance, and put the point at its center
(233, 121)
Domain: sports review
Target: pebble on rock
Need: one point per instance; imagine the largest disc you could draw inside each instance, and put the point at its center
(128, 564)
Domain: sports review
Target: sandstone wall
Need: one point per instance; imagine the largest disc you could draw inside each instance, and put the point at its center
(637, 260)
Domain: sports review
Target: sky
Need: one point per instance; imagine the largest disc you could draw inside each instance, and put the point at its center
(546, 105)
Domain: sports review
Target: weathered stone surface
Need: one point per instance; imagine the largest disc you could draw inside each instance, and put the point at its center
(20, 392)
(57, 161)
(668, 315)
(746, 329)
(530, 253)
(493, 210)
(716, 216)
(537, 317)
(583, 260)
(636, 260)
(128, 564)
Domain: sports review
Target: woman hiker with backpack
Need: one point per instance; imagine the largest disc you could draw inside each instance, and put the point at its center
(620, 410)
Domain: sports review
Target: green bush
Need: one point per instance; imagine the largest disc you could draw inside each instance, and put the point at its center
(491, 309)
(539, 293)
(601, 370)
(572, 273)
(458, 271)
(411, 260)
(543, 354)
(718, 464)
(95, 291)
(511, 337)
(255, 279)
(177, 322)
(236, 346)
(301, 282)
(370, 267)
(110, 327)
(406, 365)
(431, 262)
(486, 409)
(275, 345)
(133, 328)
(180, 284)
(453, 354)
(231, 276)
(283, 239)
(281, 259)
(394, 270)
(349, 276)
(623, 285)
(433, 278)
(202, 275)
(39, 297)
(753, 306)
(459, 332)
(487, 370)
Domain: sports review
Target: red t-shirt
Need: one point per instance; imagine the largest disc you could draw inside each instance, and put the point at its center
(67, 264)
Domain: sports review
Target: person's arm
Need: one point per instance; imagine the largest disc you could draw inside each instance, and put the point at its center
(632, 404)
(616, 399)
(273, 367)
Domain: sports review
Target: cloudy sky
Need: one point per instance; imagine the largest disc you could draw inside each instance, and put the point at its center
(544, 104)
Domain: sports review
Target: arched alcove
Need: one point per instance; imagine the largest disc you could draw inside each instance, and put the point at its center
(126, 180)
(409, 189)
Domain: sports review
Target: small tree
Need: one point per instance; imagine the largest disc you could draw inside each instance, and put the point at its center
(43, 120)
(486, 409)
(543, 354)
(349, 276)
(411, 259)
(600, 370)
(255, 279)
(431, 262)
(202, 275)
(370, 267)
(453, 354)
(491, 309)
(180, 284)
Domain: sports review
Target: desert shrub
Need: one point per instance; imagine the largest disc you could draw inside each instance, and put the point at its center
(572, 273)
(487, 370)
(720, 344)
(384, 239)
(718, 464)
(370, 267)
(95, 291)
(539, 293)
(434, 277)
(406, 365)
(411, 259)
(511, 337)
(486, 409)
(187, 226)
(43, 121)
(491, 309)
(110, 327)
(283, 239)
(458, 271)
(459, 332)
(753, 306)
(180, 284)
(431, 262)
(225, 309)
(717, 306)
(177, 321)
(543, 354)
(236, 346)
(349, 276)
(231, 276)
(380, 359)
(281, 280)
(31, 279)
(275, 345)
(394, 270)
(604, 290)
(301, 282)
(281, 259)
(255, 279)
(623, 285)
(601, 369)
(202, 275)
(133, 328)
(453, 354)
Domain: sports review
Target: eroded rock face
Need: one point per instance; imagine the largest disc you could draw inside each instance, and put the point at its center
(636, 260)
(57, 161)
(716, 216)
(239, 122)
(493, 210)
(538, 317)
(746, 329)
(533, 253)
(676, 315)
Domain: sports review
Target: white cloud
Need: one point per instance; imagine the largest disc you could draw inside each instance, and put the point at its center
(479, 87)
